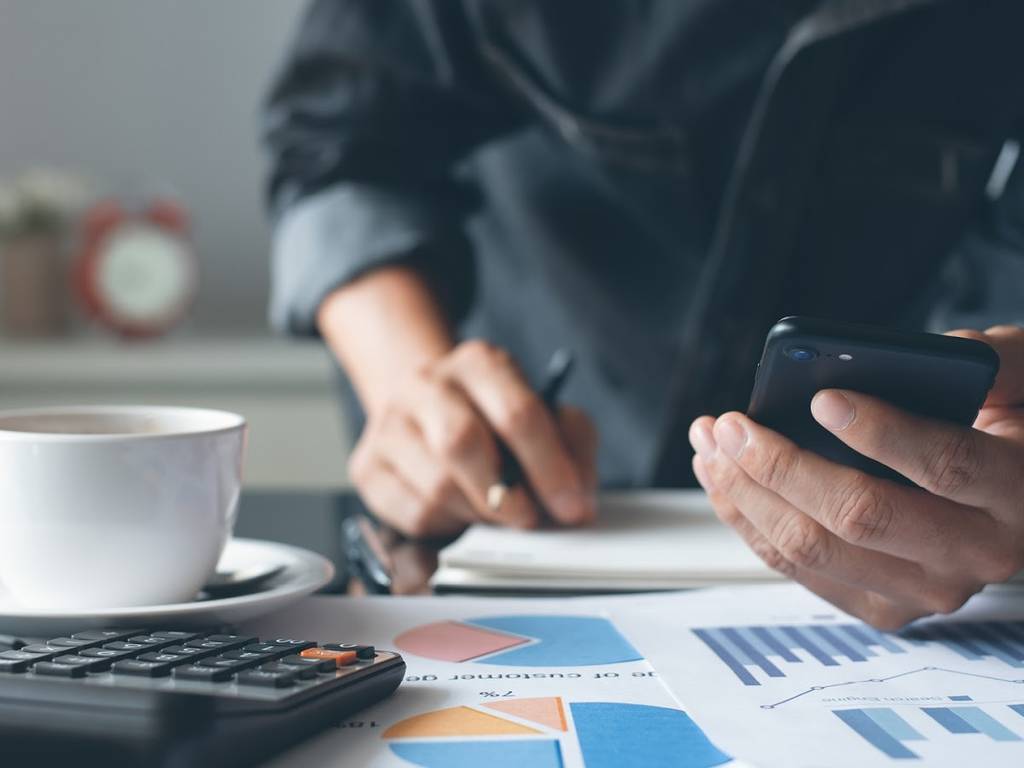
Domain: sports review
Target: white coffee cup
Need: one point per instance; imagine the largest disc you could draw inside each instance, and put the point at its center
(115, 506)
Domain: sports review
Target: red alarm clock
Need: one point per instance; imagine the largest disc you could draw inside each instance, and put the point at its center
(137, 271)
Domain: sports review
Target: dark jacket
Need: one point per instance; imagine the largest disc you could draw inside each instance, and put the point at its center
(648, 183)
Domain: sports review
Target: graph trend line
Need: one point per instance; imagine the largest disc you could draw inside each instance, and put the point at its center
(816, 688)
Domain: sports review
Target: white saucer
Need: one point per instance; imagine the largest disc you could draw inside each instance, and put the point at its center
(304, 573)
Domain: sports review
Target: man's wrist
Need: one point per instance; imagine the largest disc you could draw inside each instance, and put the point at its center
(384, 328)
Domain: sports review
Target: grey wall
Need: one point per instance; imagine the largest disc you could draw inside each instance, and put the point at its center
(153, 94)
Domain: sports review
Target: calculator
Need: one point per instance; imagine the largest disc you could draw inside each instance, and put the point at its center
(156, 697)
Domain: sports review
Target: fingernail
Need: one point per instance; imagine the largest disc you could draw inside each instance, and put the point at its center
(702, 440)
(832, 409)
(731, 437)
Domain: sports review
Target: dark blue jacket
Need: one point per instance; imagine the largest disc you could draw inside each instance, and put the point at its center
(650, 183)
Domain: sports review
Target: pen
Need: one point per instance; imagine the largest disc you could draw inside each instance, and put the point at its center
(511, 474)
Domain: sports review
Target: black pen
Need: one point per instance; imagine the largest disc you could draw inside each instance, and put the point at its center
(558, 370)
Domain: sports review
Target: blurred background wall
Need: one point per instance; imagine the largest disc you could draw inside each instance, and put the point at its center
(154, 97)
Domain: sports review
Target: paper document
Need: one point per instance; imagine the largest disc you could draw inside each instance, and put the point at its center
(779, 677)
(498, 684)
(641, 540)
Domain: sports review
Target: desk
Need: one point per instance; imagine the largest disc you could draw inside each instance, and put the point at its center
(313, 520)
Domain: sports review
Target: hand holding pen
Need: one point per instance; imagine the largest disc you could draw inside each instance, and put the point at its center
(512, 475)
(438, 454)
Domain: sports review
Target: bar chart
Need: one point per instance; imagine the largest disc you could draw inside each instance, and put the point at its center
(890, 732)
(756, 652)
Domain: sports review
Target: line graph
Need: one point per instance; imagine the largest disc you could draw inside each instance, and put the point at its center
(889, 678)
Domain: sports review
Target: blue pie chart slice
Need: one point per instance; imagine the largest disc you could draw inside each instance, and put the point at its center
(474, 754)
(559, 641)
(609, 734)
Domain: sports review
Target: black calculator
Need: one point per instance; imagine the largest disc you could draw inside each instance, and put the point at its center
(154, 697)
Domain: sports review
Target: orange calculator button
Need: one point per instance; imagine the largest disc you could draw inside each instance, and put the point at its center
(340, 658)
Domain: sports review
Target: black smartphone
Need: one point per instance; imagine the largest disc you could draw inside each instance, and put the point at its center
(941, 377)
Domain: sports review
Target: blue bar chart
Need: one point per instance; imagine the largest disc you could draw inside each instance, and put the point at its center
(890, 732)
(883, 729)
(1002, 640)
(746, 650)
(757, 652)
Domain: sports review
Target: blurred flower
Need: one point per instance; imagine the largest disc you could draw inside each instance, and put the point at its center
(10, 205)
(61, 193)
(41, 200)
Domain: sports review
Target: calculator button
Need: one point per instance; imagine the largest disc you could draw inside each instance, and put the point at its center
(237, 640)
(14, 665)
(123, 646)
(43, 652)
(302, 673)
(235, 665)
(70, 642)
(151, 641)
(273, 651)
(207, 674)
(106, 653)
(24, 656)
(363, 652)
(91, 664)
(141, 668)
(293, 645)
(166, 658)
(191, 653)
(340, 658)
(52, 669)
(244, 655)
(178, 637)
(267, 679)
(318, 665)
(105, 635)
(212, 642)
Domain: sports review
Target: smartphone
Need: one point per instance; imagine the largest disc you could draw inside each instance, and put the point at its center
(940, 377)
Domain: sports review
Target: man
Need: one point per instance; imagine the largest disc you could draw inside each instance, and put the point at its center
(651, 184)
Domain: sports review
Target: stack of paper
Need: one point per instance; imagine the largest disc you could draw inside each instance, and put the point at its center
(643, 540)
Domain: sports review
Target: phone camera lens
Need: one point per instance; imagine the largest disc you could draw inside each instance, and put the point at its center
(801, 354)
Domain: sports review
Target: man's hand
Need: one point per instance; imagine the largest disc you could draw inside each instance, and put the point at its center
(428, 454)
(882, 551)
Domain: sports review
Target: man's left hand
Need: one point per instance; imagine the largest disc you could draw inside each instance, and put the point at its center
(885, 552)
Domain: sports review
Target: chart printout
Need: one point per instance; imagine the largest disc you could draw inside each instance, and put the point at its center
(778, 677)
(499, 684)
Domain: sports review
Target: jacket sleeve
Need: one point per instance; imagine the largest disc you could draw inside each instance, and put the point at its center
(375, 106)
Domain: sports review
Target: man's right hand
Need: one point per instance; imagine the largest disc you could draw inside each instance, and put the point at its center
(428, 455)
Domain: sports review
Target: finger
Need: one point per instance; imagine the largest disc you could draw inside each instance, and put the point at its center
(873, 608)
(809, 546)
(402, 443)
(396, 503)
(523, 422)
(959, 463)
(860, 509)
(581, 439)
(1008, 342)
(458, 436)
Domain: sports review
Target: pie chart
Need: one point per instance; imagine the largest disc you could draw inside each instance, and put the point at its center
(538, 732)
(522, 641)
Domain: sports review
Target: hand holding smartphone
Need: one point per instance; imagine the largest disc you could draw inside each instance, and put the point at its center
(941, 377)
